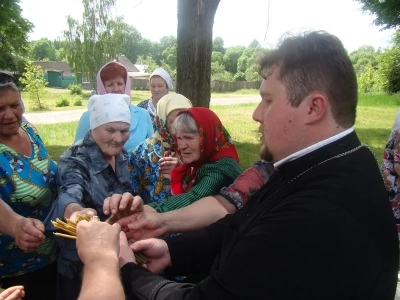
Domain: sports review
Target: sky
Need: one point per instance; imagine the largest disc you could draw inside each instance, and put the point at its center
(238, 22)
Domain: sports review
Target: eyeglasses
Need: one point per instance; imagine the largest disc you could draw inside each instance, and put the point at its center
(6, 77)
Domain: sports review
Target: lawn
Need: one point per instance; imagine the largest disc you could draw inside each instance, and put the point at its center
(375, 115)
(53, 95)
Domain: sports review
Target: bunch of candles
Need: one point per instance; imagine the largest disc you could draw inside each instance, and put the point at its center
(69, 228)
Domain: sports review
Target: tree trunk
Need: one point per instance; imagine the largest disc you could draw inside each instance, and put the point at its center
(194, 41)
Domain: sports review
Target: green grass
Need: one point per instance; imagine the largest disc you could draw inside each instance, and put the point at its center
(137, 96)
(375, 116)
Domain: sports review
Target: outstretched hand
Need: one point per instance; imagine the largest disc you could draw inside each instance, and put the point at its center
(120, 206)
(143, 224)
(157, 253)
(28, 233)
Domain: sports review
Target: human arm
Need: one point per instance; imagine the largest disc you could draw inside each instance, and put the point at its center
(147, 224)
(27, 232)
(83, 127)
(98, 248)
(209, 180)
(73, 181)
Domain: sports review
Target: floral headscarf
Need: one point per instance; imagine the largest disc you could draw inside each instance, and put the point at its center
(215, 143)
(165, 106)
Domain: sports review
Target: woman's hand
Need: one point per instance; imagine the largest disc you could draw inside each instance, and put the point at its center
(156, 251)
(13, 293)
(28, 233)
(84, 211)
(167, 164)
(144, 224)
(121, 206)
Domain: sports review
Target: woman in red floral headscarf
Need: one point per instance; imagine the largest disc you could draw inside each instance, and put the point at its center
(210, 160)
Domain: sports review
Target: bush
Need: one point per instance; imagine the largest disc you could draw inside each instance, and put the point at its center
(75, 89)
(77, 101)
(63, 101)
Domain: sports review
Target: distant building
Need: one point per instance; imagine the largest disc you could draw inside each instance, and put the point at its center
(133, 70)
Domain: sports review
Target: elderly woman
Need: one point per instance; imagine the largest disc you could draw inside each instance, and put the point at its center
(160, 83)
(88, 172)
(210, 161)
(113, 79)
(27, 189)
(151, 162)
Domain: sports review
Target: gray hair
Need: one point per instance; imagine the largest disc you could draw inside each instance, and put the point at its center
(185, 123)
(8, 86)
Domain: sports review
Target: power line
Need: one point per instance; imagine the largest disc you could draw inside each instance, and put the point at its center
(266, 31)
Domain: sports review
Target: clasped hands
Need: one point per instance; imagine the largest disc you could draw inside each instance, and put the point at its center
(138, 221)
(100, 242)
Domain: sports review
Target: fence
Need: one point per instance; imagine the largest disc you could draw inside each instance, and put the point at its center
(216, 86)
(227, 86)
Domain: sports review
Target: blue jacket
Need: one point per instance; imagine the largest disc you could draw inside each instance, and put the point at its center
(141, 127)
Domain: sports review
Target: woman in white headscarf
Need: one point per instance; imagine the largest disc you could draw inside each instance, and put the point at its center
(160, 83)
(113, 79)
(88, 172)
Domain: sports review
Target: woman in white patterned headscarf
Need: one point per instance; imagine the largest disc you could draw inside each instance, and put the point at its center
(88, 172)
(160, 83)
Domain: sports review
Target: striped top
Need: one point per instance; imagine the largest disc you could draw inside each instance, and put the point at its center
(210, 178)
(28, 186)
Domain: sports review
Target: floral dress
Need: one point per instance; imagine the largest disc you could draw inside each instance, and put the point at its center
(390, 172)
(145, 177)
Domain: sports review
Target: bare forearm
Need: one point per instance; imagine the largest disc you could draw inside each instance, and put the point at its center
(8, 218)
(101, 281)
(197, 215)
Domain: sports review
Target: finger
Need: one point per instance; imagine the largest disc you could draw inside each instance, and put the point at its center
(116, 227)
(106, 206)
(127, 199)
(138, 223)
(142, 245)
(127, 220)
(38, 224)
(137, 204)
(114, 202)
(12, 292)
(28, 227)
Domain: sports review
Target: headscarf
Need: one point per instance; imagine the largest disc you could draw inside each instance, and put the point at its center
(119, 70)
(396, 124)
(108, 108)
(165, 106)
(164, 75)
(215, 143)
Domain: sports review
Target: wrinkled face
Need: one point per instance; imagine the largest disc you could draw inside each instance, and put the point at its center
(158, 88)
(10, 112)
(279, 121)
(111, 137)
(189, 146)
(171, 118)
(115, 86)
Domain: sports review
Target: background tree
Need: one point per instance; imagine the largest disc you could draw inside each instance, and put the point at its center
(14, 31)
(88, 42)
(35, 85)
(43, 49)
(194, 46)
(218, 45)
(231, 57)
(364, 57)
(386, 12)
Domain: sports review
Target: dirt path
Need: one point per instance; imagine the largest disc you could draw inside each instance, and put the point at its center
(74, 115)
